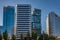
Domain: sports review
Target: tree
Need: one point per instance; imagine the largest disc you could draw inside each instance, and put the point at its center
(46, 37)
(5, 35)
(43, 37)
(34, 35)
(21, 37)
(40, 37)
(52, 38)
(28, 36)
(13, 37)
(0, 37)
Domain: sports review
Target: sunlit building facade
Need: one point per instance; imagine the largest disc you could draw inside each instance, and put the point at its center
(23, 20)
(53, 24)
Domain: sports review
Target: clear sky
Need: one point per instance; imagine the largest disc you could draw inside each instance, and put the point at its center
(46, 6)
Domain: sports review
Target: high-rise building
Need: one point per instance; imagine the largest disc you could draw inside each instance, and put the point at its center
(1, 29)
(23, 20)
(14, 30)
(14, 27)
(36, 20)
(53, 24)
(8, 18)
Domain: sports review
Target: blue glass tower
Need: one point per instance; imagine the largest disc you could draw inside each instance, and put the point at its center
(36, 20)
(1, 29)
(8, 18)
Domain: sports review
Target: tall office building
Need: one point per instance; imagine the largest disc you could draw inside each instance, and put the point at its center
(1, 29)
(14, 30)
(8, 18)
(23, 20)
(36, 20)
(53, 24)
(14, 27)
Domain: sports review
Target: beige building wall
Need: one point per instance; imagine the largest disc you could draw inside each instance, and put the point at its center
(47, 25)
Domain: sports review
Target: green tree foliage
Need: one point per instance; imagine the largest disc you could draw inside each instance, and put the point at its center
(0, 37)
(21, 37)
(28, 36)
(13, 37)
(52, 38)
(34, 35)
(46, 37)
(40, 37)
(5, 35)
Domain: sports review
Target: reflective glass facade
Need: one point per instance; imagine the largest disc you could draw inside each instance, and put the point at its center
(23, 19)
(8, 18)
(36, 20)
(53, 24)
(1, 29)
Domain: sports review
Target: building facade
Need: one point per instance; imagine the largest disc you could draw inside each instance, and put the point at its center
(14, 30)
(14, 27)
(23, 20)
(1, 29)
(8, 18)
(53, 24)
(36, 20)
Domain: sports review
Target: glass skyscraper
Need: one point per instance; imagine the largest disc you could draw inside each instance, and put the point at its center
(36, 20)
(8, 18)
(1, 29)
(53, 24)
(23, 20)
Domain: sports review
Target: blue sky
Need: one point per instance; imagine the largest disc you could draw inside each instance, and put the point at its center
(46, 6)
